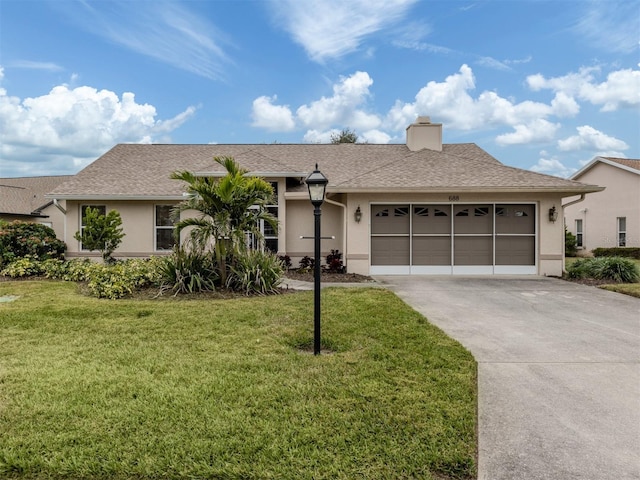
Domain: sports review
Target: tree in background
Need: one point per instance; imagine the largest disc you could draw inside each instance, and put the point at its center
(345, 136)
(101, 232)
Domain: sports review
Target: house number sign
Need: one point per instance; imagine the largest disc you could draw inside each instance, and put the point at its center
(454, 198)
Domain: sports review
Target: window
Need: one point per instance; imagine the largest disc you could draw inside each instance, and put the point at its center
(579, 234)
(164, 228)
(102, 210)
(421, 211)
(622, 231)
(269, 234)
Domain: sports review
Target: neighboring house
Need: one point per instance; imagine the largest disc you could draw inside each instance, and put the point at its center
(419, 208)
(610, 218)
(24, 199)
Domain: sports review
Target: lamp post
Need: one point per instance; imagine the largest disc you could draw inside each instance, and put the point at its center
(316, 183)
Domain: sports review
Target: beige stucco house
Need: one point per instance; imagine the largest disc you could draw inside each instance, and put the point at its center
(23, 198)
(424, 207)
(610, 218)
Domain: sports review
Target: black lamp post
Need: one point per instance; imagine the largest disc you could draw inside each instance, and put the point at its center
(317, 183)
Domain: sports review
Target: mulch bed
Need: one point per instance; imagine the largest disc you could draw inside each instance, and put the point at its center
(328, 277)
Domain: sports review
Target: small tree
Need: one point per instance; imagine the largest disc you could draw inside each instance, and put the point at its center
(345, 136)
(101, 232)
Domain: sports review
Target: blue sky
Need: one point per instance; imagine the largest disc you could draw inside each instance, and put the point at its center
(540, 85)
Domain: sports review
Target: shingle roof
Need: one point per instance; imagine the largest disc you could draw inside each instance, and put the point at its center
(134, 170)
(629, 164)
(26, 195)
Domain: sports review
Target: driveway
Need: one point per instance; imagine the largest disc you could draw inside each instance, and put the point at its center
(558, 372)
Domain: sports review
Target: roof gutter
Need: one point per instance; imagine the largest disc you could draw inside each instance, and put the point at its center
(575, 201)
(93, 198)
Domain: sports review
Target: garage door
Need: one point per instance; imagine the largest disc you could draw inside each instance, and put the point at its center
(453, 239)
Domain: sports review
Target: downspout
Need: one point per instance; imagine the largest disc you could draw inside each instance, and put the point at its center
(64, 212)
(344, 228)
(582, 196)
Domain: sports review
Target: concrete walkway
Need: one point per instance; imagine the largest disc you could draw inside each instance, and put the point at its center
(558, 372)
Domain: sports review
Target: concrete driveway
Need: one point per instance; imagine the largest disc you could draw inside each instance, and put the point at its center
(558, 372)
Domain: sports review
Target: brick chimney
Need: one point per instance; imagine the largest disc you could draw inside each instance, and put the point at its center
(424, 134)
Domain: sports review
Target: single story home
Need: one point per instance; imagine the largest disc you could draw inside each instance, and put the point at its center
(23, 198)
(415, 208)
(610, 218)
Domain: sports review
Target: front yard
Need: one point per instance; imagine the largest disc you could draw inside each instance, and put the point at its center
(206, 388)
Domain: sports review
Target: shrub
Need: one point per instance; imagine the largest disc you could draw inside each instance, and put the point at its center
(334, 262)
(613, 269)
(188, 271)
(121, 278)
(307, 263)
(20, 239)
(570, 243)
(23, 267)
(286, 261)
(256, 272)
(628, 252)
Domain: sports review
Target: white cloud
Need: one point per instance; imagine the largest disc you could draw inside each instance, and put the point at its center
(164, 30)
(318, 136)
(620, 89)
(552, 166)
(589, 138)
(334, 28)
(272, 117)
(375, 137)
(564, 106)
(73, 126)
(537, 131)
(451, 102)
(344, 107)
(31, 65)
(610, 26)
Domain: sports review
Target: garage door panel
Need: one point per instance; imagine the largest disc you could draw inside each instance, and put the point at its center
(515, 250)
(473, 251)
(515, 219)
(431, 219)
(390, 251)
(473, 219)
(390, 219)
(431, 251)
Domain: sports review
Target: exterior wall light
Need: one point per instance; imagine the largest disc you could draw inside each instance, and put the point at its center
(553, 214)
(358, 214)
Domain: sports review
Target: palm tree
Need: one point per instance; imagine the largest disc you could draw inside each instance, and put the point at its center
(229, 208)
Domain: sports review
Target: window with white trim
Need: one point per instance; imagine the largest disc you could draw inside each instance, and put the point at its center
(622, 231)
(102, 210)
(579, 234)
(164, 225)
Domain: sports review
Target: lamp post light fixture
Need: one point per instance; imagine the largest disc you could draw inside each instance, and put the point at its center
(317, 184)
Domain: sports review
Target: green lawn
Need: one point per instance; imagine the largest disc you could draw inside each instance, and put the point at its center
(220, 389)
